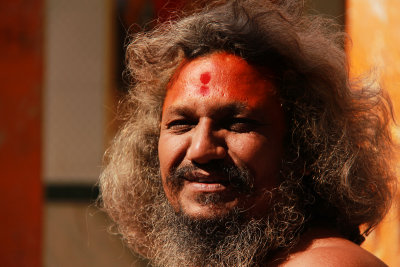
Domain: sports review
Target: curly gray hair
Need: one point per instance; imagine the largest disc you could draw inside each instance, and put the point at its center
(338, 149)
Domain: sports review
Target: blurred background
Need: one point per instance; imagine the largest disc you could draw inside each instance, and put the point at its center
(61, 64)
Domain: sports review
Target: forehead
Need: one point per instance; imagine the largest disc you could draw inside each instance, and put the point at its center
(220, 77)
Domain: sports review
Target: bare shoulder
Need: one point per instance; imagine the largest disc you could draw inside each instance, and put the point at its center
(334, 252)
(331, 251)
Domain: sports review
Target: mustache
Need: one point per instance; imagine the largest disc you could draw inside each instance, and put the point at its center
(239, 179)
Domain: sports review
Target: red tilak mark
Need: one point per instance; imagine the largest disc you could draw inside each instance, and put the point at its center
(204, 90)
(205, 77)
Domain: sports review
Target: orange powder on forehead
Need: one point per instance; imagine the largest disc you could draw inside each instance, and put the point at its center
(219, 74)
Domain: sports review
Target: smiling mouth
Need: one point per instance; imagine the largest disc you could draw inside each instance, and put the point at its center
(211, 178)
(201, 181)
(206, 183)
(205, 179)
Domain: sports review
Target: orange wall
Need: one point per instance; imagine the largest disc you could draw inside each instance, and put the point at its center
(374, 27)
(20, 132)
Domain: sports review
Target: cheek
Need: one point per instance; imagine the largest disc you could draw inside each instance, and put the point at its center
(171, 150)
(260, 155)
(247, 147)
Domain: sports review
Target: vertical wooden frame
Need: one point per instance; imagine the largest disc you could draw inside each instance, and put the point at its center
(21, 67)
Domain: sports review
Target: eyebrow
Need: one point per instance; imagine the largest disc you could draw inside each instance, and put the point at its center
(231, 108)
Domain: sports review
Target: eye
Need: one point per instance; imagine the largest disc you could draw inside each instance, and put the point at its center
(241, 125)
(180, 126)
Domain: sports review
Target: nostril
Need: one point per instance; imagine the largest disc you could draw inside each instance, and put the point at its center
(206, 155)
(205, 145)
(205, 151)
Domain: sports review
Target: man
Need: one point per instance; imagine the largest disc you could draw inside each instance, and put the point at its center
(245, 143)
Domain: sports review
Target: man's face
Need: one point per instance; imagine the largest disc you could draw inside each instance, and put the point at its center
(220, 144)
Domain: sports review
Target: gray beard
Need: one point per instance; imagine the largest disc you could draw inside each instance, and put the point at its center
(178, 240)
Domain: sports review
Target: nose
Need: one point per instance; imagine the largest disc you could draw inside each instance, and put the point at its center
(205, 144)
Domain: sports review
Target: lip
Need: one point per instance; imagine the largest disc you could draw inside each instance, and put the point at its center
(206, 183)
(205, 187)
(206, 178)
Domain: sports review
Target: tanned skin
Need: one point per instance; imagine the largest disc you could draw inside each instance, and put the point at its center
(325, 247)
(220, 108)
